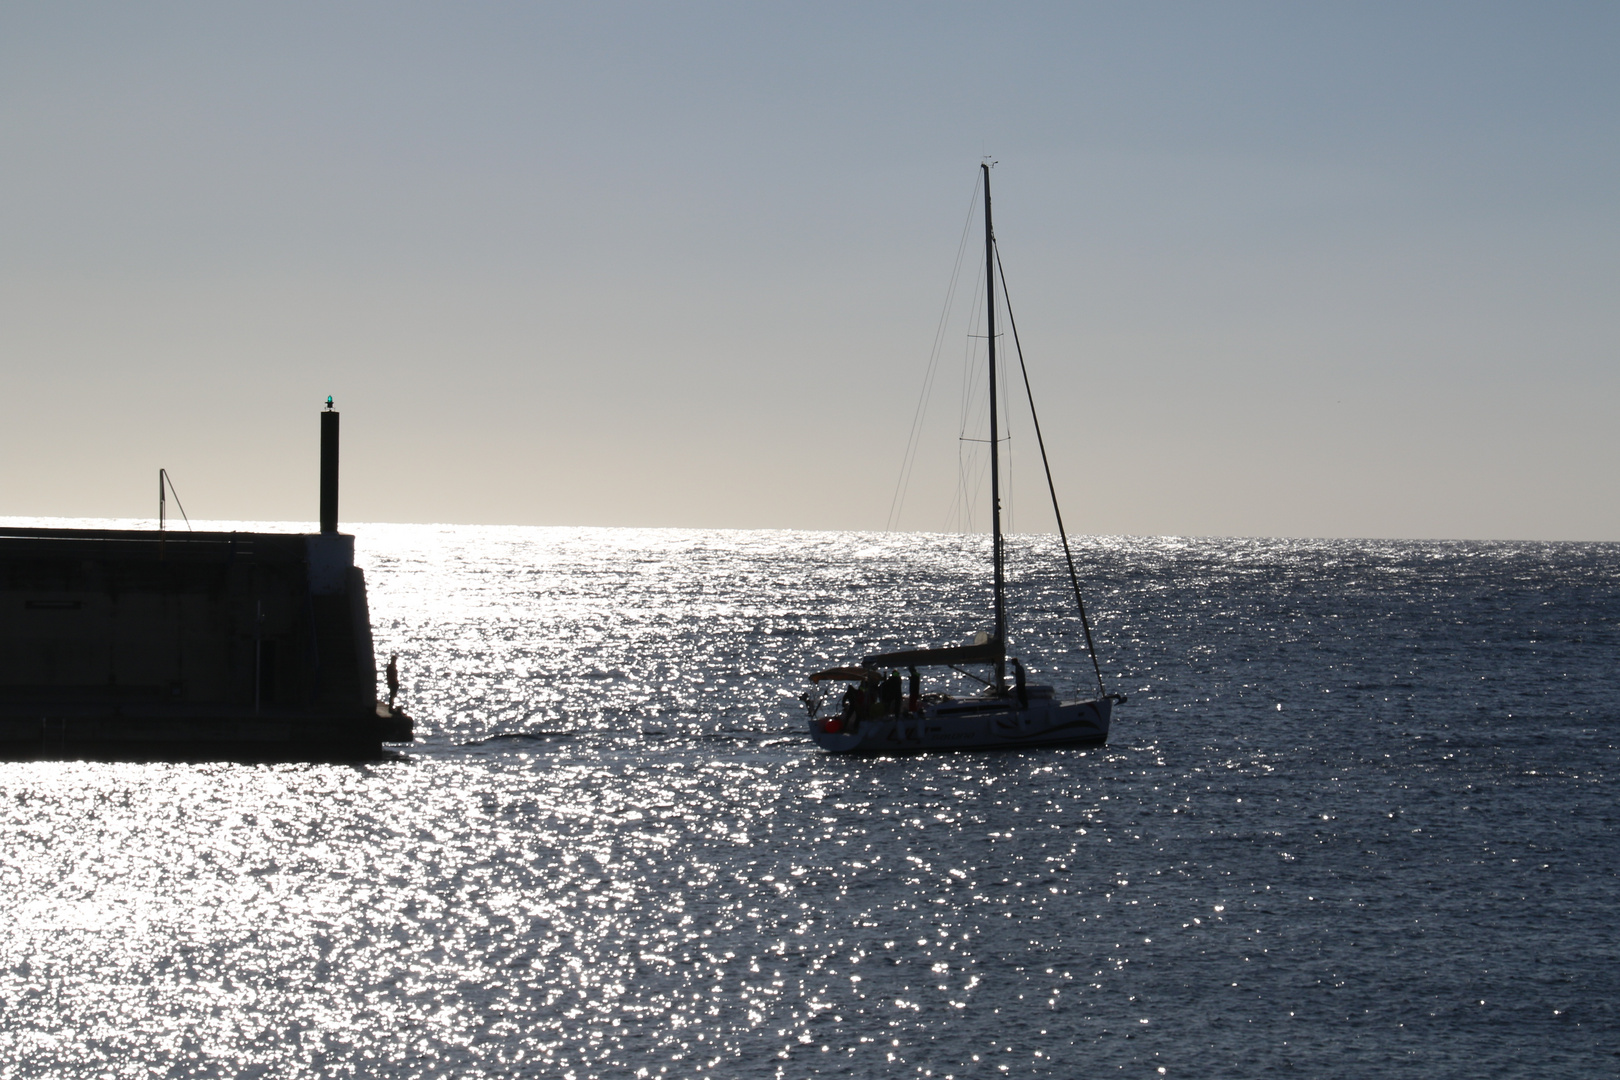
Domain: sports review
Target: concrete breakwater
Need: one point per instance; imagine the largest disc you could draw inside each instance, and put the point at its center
(151, 643)
(125, 641)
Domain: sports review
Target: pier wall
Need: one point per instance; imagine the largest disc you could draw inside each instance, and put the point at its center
(136, 639)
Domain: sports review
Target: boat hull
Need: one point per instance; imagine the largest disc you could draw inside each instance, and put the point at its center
(973, 725)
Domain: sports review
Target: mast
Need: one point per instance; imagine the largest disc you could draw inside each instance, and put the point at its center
(995, 445)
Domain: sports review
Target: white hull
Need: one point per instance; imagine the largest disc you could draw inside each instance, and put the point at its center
(973, 724)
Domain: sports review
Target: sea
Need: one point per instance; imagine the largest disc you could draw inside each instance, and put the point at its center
(1356, 819)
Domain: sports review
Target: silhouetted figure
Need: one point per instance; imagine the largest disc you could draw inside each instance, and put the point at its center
(393, 678)
(890, 694)
(1018, 681)
(851, 710)
(916, 690)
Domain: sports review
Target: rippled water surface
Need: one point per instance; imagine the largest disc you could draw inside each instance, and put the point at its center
(1357, 819)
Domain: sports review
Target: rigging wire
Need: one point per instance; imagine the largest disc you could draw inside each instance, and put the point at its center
(1007, 438)
(971, 465)
(1074, 578)
(914, 440)
(970, 470)
(164, 478)
(970, 357)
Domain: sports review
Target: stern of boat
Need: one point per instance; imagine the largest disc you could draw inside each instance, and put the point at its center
(830, 734)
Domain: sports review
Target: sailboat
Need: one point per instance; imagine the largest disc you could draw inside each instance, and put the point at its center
(883, 713)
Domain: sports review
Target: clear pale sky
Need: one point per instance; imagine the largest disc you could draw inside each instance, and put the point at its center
(1280, 269)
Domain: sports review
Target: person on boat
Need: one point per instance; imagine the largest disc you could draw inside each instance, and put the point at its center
(916, 690)
(1019, 685)
(890, 695)
(851, 709)
(393, 676)
(871, 696)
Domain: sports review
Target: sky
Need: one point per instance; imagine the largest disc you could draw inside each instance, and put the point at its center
(1279, 269)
